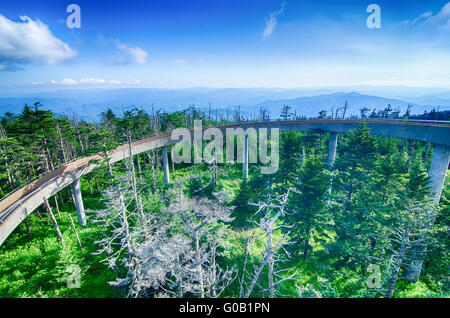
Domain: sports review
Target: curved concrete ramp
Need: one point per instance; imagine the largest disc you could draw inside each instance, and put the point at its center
(17, 206)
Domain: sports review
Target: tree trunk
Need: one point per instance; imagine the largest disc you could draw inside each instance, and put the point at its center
(61, 144)
(411, 154)
(199, 265)
(173, 163)
(139, 167)
(398, 264)
(133, 174)
(214, 273)
(10, 181)
(108, 163)
(96, 183)
(69, 196)
(180, 290)
(270, 265)
(152, 164)
(256, 277)
(47, 168)
(30, 236)
(244, 267)
(57, 207)
(129, 243)
(75, 230)
(55, 224)
(37, 211)
(134, 186)
(126, 228)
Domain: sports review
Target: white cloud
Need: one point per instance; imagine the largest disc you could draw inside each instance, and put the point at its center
(444, 14)
(424, 16)
(138, 55)
(29, 41)
(182, 61)
(66, 81)
(69, 81)
(92, 81)
(442, 17)
(271, 23)
(100, 38)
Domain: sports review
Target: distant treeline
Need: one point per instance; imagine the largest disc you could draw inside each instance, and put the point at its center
(433, 115)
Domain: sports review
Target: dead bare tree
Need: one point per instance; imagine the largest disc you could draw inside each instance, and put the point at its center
(274, 253)
(166, 261)
(398, 249)
(201, 220)
(55, 224)
(119, 237)
(161, 258)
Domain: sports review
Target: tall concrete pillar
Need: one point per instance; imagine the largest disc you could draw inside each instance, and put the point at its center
(438, 170)
(437, 173)
(166, 165)
(332, 144)
(78, 202)
(245, 161)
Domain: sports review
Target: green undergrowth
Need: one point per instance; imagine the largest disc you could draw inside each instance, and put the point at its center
(41, 266)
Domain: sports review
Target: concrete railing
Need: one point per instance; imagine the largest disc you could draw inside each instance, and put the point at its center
(19, 204)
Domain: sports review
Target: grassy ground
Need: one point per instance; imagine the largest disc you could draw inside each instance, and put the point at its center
(40, 266)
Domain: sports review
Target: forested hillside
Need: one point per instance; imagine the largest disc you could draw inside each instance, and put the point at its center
(309, 230)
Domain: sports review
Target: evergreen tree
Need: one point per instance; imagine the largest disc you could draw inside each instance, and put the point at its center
(290, 158)
(354, 205)
(308, 207)
(417, 186)
(356, 159)
(285, 113)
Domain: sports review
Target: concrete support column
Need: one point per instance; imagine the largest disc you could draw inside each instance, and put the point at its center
(332, 144)
(245, 161)
(437, 173)
(438, 170)
(165, 165)
(78, 202)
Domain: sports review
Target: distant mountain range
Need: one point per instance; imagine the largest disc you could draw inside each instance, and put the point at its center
(89, 103)
(311, 105)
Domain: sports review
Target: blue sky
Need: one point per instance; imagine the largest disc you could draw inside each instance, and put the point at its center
(223, 43)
